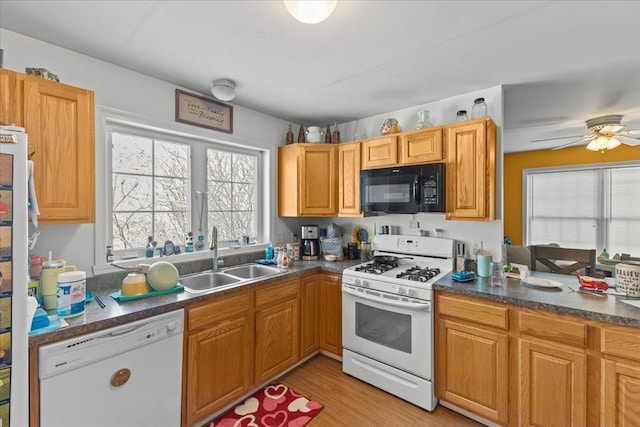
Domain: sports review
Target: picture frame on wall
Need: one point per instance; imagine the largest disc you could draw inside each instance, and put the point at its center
(204, 112)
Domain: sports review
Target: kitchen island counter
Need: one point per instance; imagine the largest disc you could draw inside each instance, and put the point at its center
(117, 313)
(561, 300)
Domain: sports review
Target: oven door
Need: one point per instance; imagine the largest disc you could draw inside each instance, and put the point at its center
(391, 329)
(391, 190)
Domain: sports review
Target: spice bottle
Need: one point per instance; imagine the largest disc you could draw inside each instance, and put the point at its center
(109, 254)
(289, 135)
(336, 134)
(327, 135)
(301, 135)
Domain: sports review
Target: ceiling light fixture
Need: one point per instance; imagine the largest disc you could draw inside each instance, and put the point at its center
(602, 143)
(310, 11)
(224, 89)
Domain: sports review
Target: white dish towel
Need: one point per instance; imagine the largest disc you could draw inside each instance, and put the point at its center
(33, 201)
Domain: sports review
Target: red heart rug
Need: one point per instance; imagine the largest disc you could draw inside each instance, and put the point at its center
(276, 405)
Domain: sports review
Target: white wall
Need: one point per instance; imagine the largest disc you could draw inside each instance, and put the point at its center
(151, 101)
(120, 91)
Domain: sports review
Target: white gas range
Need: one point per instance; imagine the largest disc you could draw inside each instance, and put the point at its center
(387, 315)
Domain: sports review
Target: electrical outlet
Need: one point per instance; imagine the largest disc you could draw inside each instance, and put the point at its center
(279, 237)
(414, 223)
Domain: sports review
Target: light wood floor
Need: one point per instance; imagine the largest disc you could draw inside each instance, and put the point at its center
(350, 402)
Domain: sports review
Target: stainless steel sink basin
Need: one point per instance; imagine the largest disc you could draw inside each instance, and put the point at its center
(252, 271)
(204, 282)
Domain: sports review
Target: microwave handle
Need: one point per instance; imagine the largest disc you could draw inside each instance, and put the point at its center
(416, 192)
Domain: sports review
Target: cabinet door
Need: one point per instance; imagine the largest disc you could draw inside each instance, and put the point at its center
(309, 315)
(331, 314)
(420, 146)
(11, 98)
(380, 152)
(470, 170)
(620, 397)
(218, 367)
(317, 177)
(277, 339)
(349, 179)
(60, 122)
(552, 384)
(472, 369)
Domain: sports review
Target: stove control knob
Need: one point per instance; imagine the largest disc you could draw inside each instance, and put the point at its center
(411, 292)
(357, 282)
(401, 290)
(365, 284)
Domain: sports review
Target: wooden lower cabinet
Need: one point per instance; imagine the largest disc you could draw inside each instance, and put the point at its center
(277, 329)
(309, 314)
(620, 404)
(218, 362)
(552, 384)
(331, 313)
(472, 362)
(518, 366)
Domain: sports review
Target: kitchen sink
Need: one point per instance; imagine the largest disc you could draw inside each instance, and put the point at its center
(209, 281)
(204, 282)
(252, 271)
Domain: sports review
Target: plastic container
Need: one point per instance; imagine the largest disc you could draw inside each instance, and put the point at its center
(72, 289)
(479, 109)
(268, 252)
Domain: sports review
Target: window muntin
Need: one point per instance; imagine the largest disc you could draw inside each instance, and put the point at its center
(150, 190)
(233, 193)
(596, 207)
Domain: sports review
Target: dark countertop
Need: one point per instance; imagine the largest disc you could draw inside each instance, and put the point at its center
(560, 300)
(117, 313)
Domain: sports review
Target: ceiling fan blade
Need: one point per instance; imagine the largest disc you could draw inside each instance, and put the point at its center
(611, 128)
(628, 133)
(560, 137)
(570, 143)
(628, 140)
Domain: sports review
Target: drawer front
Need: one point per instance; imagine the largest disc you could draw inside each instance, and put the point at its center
(273, 293)
(473, 310)
(553, 327)
(421, 147)
(208, 313)
(624, 342)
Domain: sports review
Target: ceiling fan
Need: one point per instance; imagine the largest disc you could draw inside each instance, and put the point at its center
(606, 134)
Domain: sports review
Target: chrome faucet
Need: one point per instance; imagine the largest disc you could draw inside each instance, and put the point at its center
(214, 247)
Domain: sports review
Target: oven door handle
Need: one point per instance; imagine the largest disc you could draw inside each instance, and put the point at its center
(422, 306)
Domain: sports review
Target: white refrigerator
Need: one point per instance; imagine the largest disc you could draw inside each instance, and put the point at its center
(14, 361)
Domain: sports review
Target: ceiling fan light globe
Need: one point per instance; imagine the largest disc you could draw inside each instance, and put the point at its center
(310, 11)
(613, 143)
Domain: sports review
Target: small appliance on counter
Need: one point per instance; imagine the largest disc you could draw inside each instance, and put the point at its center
(310, 242)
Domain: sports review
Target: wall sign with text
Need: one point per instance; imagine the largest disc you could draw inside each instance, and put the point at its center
(200, 111)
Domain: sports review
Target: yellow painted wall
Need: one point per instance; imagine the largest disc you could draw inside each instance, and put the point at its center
(514, 163)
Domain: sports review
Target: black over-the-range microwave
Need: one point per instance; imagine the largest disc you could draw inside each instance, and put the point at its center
(404, 189)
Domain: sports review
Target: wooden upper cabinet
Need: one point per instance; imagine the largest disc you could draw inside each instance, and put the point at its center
(11, 97)
(420, 146)
(307, 180)
(60, 122)
(380, 152)
(471, 170)
(349, 156)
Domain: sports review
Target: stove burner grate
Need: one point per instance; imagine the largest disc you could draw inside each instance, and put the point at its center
(419, 274)
(377, 267)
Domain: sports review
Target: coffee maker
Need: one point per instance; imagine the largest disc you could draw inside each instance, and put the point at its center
(310, 242)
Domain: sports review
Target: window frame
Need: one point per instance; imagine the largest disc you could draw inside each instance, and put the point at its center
(197, 179)
(603, 194)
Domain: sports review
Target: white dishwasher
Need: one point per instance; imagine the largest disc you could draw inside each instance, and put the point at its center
(130, 375)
